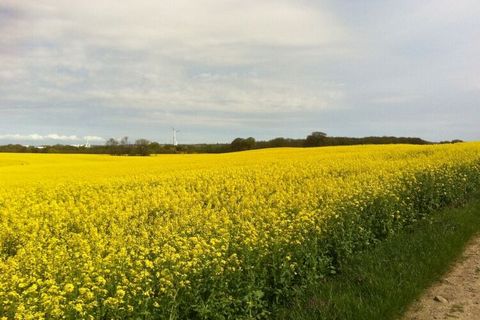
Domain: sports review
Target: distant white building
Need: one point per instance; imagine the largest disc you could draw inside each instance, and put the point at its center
(86, 145)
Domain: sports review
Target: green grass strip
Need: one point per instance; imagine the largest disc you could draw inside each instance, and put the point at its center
(382, 282)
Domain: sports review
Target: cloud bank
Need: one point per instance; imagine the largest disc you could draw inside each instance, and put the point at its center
(51, 136)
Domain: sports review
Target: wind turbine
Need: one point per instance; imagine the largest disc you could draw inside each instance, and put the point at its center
(174, 131)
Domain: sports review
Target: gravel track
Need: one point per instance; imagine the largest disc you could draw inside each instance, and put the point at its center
(457, 295)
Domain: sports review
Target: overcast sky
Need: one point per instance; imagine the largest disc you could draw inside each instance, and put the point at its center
(218, 69)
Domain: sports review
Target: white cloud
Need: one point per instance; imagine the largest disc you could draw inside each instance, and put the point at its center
(93, 138)
(157, 55)
(54, 136)
(209, 22)
(15, 136)
(51, 136)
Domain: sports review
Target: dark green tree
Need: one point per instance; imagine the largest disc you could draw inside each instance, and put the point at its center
(142, 147)
(316, 139)
(240, 144)
(113, 146)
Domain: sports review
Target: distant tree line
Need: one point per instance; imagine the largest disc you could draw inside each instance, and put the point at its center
(319, 139)
(141, 147)
(144, 147)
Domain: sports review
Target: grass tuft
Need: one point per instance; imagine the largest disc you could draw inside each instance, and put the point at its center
(380, 283)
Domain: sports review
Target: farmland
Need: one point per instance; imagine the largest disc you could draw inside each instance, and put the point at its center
(206, 236)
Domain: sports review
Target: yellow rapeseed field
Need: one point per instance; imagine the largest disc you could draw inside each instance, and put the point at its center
(227, 236)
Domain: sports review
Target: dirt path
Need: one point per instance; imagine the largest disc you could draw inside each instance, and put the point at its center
(457, 295)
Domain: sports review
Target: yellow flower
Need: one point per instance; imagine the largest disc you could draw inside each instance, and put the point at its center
(101, 281)
(78, 307)
(68, 288)
(120, 293)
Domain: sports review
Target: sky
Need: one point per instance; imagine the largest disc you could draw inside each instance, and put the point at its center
(72, 71)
